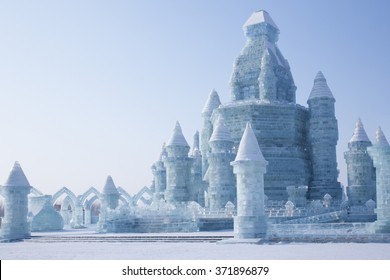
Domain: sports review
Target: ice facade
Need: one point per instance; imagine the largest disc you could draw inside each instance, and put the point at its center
(261, 165)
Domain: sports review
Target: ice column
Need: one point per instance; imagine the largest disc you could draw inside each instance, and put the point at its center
(177, 164)
(380, 154)
(196, 189)
(361, 171)
(15, 192)
(212, 103)
(250, 167)
(159, 175)
(222, 182)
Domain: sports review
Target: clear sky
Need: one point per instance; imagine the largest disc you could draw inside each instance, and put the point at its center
(93, 88)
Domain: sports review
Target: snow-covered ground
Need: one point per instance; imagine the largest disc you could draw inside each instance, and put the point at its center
(191, 251)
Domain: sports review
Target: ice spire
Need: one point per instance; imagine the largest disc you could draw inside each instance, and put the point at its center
(163, 153)
(212, 102)
(359, 134)
(267, 78)
(195, 147)
(220, 132)
(109, 187)
(381, 138)
(16, 177)
(320, 87)
(177, 137)
(249, 149)
(260, 17)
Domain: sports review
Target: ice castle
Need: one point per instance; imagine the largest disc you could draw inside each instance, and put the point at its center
(262, 164)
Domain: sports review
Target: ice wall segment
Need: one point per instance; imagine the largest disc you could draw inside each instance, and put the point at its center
(380, 154)
(15, 191)
(250, 167)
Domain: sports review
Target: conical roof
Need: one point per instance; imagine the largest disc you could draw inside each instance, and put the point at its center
(359, 134)
(249, 149)
(212, 102)
(320, 87)
(381, 138)
(109, 187)
(220, 132)
(177, 137)
(16, 177)
(260, 17)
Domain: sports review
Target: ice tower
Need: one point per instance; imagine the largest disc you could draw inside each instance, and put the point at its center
(380, 154)
(219, 175)
(159, 176)
(15, 192)
(110, 195)
(323, 137)
(360, 168)
(250, 167)
(196, 189)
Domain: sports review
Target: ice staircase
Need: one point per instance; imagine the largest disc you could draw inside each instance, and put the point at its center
(127, 238)
(320, 218)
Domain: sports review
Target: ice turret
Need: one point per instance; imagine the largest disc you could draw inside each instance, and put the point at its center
(222, 187)
(212, 103)
(159, 176)
(267, 78)
(381, 158)
(360, 168)
(196, 188)
(323, 137)
(195, 151)
(110, 194)
(262, 35)
(250, 167)
(15, 191)
(381, 138)
(177, 164)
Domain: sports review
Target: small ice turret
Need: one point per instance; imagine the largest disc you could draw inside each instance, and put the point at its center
(360, 168)
(380, 154)
(222, 182)
(15, 191)
(110, 195)
(196, 188)
(212, 103)
(159, 176)
(267, 78)
(323, 137)
(380, 138)
(250, 167)
(177, 164)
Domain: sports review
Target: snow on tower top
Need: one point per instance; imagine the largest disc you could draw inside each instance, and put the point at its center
(260, 17)
(212, 102)
(249, 149)
(320, 87)
(381, 138)
(109, 187)
(16, 177)
(359, 134)
(177, 137)
(220, 132)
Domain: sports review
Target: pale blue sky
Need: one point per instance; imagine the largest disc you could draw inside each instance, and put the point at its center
(93, 88)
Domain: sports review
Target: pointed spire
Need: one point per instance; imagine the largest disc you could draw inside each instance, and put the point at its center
(260, 17)
(109, 187)
(16, 177)
(320, 87)
(249, 149)
(381, 138)
(177, 137)
(220, 132)
(212, 102)
(359, 134)
(267, 78)
(195, 147)
(163, 153)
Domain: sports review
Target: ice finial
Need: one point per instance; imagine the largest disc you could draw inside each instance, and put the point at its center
(109, 187)
(381, 138)
(267, 78)
(260, 17)
(16, 177)
(359, 134)
(163, 153)
(195, 147)
(220, 132)
(320, 87)
(212, 102)
(249, 149)
(177, 137)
